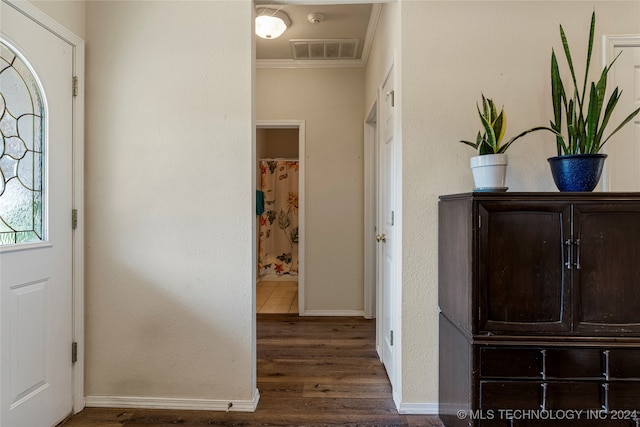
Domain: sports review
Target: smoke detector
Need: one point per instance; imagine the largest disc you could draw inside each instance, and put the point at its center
(315, 18)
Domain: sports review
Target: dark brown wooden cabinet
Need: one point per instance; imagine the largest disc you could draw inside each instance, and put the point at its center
(540, 309)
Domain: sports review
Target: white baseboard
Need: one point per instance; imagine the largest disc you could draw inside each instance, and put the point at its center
(172, 403)
(418, 408)
(336, 313)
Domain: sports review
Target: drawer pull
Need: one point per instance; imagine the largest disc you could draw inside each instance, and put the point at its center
(605, 406)
(606, 364)
(544, 364)
(543, 407)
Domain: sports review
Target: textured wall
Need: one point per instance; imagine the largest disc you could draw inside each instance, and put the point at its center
(71, 14)
(170, 219)
(451, 52)
(386, 40)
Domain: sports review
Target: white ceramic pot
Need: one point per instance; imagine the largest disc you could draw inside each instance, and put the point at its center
(489, 172)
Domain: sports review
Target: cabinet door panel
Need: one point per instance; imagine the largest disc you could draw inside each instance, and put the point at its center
(568, 363)
(522, 284)
(607, 271)
(498, 395)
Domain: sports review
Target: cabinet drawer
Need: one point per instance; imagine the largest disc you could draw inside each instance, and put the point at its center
(585, 395)
(624, 395)
(574, 363)
(624, 363)
(510, 395)
(510, 363)
(495, 422)
(583, 422)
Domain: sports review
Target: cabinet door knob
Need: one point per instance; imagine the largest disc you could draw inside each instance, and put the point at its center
(381, 238)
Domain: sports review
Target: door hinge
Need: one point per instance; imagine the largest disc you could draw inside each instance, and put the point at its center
(75, 86)
(74, 352)
(392, 94)
(391, 337)
(74, 219)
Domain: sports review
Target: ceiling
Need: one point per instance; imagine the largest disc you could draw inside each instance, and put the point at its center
(350, 26)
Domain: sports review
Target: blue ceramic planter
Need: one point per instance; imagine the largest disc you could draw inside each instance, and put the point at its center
(577, 172)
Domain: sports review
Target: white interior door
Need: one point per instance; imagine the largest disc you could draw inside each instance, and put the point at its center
(385, 226)
(623, 149)
(36, 387)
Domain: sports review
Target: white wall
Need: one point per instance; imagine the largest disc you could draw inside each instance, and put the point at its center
(71, 14)
(381, 57)
(170, 207)
(451, 52)
(330, 101)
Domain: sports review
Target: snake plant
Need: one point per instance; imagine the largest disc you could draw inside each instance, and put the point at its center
(494, 125)
(584, 132)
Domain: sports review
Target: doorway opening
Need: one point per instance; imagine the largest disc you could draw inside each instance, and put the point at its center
(280, 216)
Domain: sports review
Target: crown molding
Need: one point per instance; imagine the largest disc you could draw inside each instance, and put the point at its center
(371, 31)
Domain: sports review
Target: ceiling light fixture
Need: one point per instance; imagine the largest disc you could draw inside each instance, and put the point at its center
(271, 23)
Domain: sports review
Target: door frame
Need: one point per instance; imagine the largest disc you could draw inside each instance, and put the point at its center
(370, 212)
(371, 145)
(78, 46)
(300, 125)
(609, 44)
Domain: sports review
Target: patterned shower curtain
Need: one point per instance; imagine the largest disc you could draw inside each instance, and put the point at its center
(279, 221)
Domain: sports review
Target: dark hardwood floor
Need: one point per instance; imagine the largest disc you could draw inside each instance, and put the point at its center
(312, 371)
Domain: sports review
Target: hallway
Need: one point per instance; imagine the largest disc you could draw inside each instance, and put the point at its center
(312, 371)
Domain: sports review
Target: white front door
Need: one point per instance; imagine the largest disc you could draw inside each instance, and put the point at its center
(623, 149)
(385, 226)
(35, 223)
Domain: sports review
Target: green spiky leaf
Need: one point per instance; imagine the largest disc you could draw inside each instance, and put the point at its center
(584, 129)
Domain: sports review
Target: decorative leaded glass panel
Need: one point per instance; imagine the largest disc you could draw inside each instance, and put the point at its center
(21, 151)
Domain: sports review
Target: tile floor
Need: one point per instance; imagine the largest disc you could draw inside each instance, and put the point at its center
(277, 297)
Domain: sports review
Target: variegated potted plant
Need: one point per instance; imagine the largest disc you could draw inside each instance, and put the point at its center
(489, 167)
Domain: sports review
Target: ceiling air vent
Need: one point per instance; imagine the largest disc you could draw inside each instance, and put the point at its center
(324, 48)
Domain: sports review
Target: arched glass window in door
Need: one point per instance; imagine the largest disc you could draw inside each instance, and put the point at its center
(22, 122)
